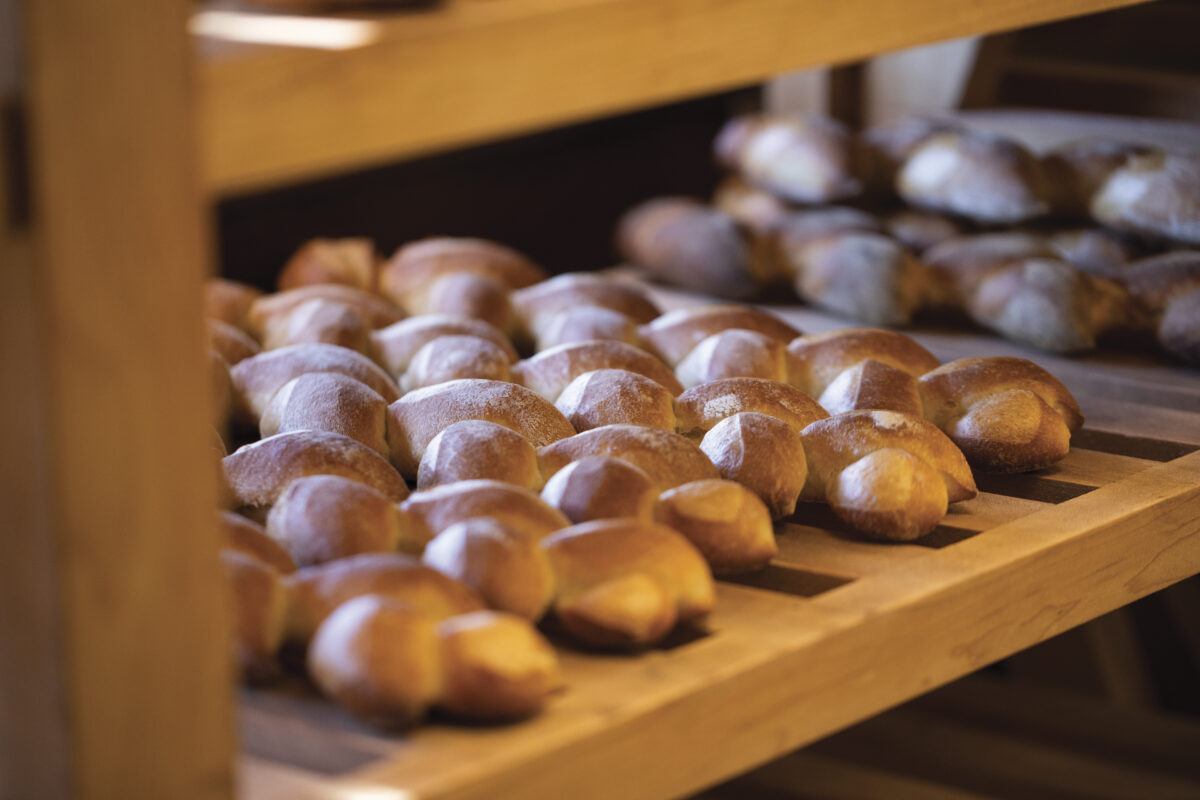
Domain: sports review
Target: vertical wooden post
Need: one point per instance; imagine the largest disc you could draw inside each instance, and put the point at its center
(115, 679)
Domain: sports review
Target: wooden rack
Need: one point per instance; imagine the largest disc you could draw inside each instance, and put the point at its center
(119, 684)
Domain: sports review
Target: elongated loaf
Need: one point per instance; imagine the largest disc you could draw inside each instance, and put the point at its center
(804, 158)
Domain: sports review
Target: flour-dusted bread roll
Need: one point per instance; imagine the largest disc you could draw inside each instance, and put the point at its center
(974, 174)
(919, 230)
(375, 310)
(230, 301)
(260, 603)
(803, 227)
(627, 582)
(411, 273)
(318, 321)
(755, 209)
(1158, 280)
(549, 372)
(231, 343)
(250, 539)
(1157, 194)
(872, 384)
(257, 379)
(507, 567)
(415, 419)
(395, 346)
(475, 449)
(317, 590)
(465, 294)
(585, 324)
(259, 473)
(1005, 414)
(1076, 170)
(762, 453)
(521, 509)
(601, 487)
(824, 356)
(328, 401)
(538, 304)
(349, 261)
(450, 358)
(736, 353)
(804, 158)
(676, 333)
(727, 523)
(884, 148)
(1099, 252)
(685, 243)
(668, 458)
(702, 407)
(616, 396)
(321, 518)
(955, 267)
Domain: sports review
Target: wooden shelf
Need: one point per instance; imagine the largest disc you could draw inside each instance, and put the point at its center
(468, 71)
(835, 631)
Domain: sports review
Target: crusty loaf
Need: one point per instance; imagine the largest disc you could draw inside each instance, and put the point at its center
(584, 324)
(416, 418)
(449, 358)
(375, 310)
(736, 353)
(328, 401)
(919, 230)
(755, 209)
(822, 357)
(616, 396)
(701, 407)
(549, 372)
(475, 449)
(804, 158)
(1156, 194)
(762, 453)
(956, 266)
(350, 261)
(318, 321)
(395, 346)
(727, 523)
(465, 294)
(668, 458)
(413, 270)
(1099, 252)
(676, 333)
(872, 384)
(538, 304)
(521, 509)
(601, 487)
(1076, 170)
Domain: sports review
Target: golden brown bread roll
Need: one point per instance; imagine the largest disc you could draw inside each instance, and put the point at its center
(318, 590)
(465, 294)
(549, 372)
(250, 539)
(1157, 194)
(521, 509)
(259, 604)
(872, 384)
(415, 419)
(955, 267)
(668, 458)
(584, 324)
(762, 453)
(676, 333)
(475, 449)
(601, 487)
(727, 523)
(318, 321)
(537, 304)
(259, 473)
(449, 358)
(229, 301)
(350, 261)
(396, 345)
(413, 270)
(257, 379)
(804, 158)
(701, 407)
(1076, 170)
(626, 581)
(884, 148)
(824, 356)
(328, 401)
(374, 310)
(378, 658)
(231, 343)
(736, 353)
(325, 517)
(1005, 414)
(686, 243)
(1157, 280)
(616, 396)
(506, 566)
(755, 209)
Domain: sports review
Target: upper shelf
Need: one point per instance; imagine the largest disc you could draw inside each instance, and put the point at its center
(466, 71)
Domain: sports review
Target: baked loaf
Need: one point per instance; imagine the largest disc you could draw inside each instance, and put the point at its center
(538, 304)
(756, 210)
(374, 310)
(520, 509)
(601, 487)
(676, 333)
(413, 272)
(736, 353)
(449, 358)
(702, 407)
(318, 321)
(395, 346)
(350, 261)
(585, 324)
(466, 294)
(1005, 414)
(668, 458)
(616, 396)
(727, 523)
(259, 601)
(550, 371)
(822, 357)
(475, 449)
(802, 158)
(1156, 193)
(762, 453)
(328, 401)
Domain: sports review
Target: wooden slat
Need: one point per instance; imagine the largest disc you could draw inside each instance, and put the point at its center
(820, 550)
(473, 71)
(114, 488)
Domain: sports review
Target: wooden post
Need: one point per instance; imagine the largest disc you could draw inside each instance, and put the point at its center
(115, 679)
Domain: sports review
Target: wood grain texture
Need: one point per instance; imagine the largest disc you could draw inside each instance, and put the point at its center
(469, 71)
(116, 447)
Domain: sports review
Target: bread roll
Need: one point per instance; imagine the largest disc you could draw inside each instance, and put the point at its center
(676, 333)
(317, 590)
(804, 158)
(601, 487)
(465, 294)
(507, 567)
(1098, 252)
(257, 379)
(736, 353)
(318, 321)
(325, 517)
(1156, 194)
(231, 343)
(956, 266)
(521, 509)
(1157, 280)
(1076, 170)
(375, 310)
(350, 261)
(328, 401)
(409, 275)
(259, 602)
(872, 384)
(229, 301)
(668, 458)
(800, 228)
(585, 324)
(250, 539)
(449, 358)
(415, 419)
(475, 449)
(395, 346)
(549, 372)
(889, 494)
(260, 472)
(627, 582)
(756, 210)
(700, 408)
(616, 396)
(727, 523)
(538, 304)
(919, 230)
(763, 454)
(884, 148)
(1179, 329)
(824, 356)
